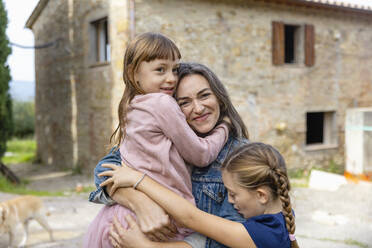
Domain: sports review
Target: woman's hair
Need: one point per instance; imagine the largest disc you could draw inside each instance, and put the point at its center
(144, 47)
(238, 129)
(257, 164)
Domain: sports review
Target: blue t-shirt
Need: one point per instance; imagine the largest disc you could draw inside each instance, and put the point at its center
(268, 231)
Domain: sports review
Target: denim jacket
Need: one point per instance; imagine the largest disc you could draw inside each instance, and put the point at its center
(207, 186)
(209, 191)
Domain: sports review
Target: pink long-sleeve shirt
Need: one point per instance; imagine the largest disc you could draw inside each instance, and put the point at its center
(158, 141)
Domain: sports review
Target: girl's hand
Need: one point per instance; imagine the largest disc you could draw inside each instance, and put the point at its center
(122, 176)
(130, 238)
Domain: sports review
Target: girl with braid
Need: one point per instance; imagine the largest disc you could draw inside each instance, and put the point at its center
(256, 179)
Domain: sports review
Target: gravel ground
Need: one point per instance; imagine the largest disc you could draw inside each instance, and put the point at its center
(338, 219)
(324, 219)
(69, 218)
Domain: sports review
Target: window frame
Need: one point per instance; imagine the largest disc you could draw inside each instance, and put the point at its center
(306, 35)
(330, 131)
(100, 41)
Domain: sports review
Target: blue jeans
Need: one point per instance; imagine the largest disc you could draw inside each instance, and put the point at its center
(100, 195)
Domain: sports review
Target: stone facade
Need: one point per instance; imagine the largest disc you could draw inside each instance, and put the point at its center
(76, 99)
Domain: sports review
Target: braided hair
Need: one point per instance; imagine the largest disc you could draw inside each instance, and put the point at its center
(257, 164)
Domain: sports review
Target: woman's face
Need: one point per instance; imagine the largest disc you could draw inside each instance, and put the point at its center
(198, 103)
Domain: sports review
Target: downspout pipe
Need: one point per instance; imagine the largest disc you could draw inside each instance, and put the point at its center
(132, 20)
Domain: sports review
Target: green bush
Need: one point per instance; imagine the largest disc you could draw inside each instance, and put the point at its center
(23, 118)
(5, 100)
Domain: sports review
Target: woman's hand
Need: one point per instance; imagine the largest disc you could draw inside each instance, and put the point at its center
(130, 238)
(154, 222)
(120, 177)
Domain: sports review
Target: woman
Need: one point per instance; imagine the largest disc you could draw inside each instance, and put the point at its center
(146, 111)
(205, 102)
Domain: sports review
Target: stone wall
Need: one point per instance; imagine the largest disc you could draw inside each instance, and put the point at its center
(234, 38)
(76, 100)
(73, 94)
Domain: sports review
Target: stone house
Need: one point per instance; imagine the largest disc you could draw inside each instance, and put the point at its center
(292, 68)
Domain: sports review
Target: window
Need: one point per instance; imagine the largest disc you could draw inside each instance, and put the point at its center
(293, 44)
(321, 129)
(100, 42)
(291, 40)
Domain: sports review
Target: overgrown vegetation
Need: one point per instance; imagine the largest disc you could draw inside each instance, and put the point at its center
(5, 100)
(20, 151)
(23, 119)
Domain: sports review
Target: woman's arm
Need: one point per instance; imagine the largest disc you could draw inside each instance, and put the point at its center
(230, 233)
(153, 220)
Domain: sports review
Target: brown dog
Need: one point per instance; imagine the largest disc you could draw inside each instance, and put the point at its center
(17, 213)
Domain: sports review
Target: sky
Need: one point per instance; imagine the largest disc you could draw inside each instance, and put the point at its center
(21, 61)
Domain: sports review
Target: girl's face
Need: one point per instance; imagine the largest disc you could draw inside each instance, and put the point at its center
(247, 202)
(157, 76)
(198, 103)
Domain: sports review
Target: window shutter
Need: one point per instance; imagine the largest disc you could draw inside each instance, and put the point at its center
(278, 43)
(309, 45)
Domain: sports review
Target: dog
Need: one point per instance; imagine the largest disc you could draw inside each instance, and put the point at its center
(16, 213)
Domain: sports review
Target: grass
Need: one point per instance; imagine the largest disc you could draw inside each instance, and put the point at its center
(20, 151)
(332, 167)
(88, 189)
(298, 173)
(24, 151)
(21, 189)
(8, 187)
(356, 243)
(299, 177)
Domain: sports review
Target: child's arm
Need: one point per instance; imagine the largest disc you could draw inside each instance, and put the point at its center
(152, 218)
(230, 233)
(193, 149)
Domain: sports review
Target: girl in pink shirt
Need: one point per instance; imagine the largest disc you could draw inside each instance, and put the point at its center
(153, 134)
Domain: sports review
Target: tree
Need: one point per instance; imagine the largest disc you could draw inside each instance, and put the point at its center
(6, 127)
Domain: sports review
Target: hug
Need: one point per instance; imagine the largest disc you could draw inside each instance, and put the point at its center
(183, 172)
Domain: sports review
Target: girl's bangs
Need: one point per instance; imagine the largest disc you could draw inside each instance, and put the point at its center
(162, 49)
